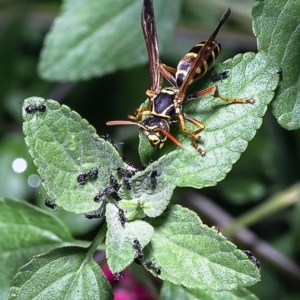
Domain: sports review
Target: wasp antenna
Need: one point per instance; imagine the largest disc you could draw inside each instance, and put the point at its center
(118, 122)
(171, 137)
(124, 122)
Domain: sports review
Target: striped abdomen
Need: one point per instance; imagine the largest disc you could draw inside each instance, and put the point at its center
(187, 61)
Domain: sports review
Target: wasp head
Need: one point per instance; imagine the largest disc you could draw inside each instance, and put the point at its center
(155, 129)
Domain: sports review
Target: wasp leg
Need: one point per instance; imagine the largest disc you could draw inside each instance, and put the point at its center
(169, 69)
(140, 113)
(194, 135)
(216, 94)
(150, 94)
(235, 100)
(165, 71)
(200, 93)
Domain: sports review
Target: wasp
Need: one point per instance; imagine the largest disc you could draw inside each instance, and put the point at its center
(165, 105)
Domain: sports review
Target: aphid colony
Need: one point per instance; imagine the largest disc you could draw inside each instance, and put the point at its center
(113, 186)
(111, 189)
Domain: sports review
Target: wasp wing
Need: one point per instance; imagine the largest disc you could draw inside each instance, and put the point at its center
(202, 56)
(150, 37)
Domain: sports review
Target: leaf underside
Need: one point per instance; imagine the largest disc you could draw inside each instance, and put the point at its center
(106, 36)
(26, 230)
(63, 273)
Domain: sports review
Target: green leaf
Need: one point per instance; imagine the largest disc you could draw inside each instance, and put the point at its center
(153, 198)
(195, 256)
(119, 240)
(92, 38)
(25, 231)
(170, 291)
(65, 273)
(229, 127)
(63, 145)
(77, 224)
(270, 18)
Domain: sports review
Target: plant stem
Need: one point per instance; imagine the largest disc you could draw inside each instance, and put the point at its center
(98, 239)
(277, 202)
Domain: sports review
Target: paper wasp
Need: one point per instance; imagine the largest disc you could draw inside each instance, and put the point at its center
(165, 104)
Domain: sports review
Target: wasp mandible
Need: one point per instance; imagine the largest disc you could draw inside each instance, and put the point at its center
(165, 104)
